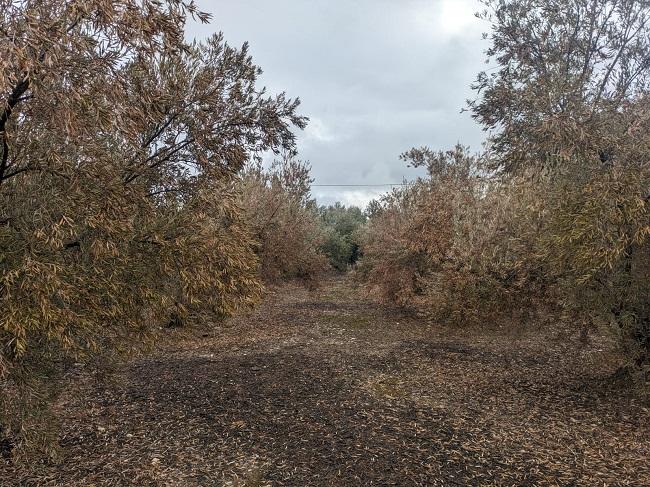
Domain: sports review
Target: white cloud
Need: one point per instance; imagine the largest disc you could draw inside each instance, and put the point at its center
(352, 197)
(318, 131)
(446, 18)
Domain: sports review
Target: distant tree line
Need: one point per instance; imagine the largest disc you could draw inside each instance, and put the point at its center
(343, 228)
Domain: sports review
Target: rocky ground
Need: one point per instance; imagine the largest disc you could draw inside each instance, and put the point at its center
(327, 388)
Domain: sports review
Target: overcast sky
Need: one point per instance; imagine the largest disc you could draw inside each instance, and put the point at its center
(375, 77)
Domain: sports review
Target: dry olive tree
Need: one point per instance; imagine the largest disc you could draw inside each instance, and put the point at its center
(568, 107)
(563, 70)
(553, 221)
(283, 217)
(411, 235)
(121, 146)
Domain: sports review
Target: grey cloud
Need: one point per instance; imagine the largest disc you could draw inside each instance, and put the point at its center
(376, 77)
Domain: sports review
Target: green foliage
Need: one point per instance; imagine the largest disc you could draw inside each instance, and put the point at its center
(343, 227)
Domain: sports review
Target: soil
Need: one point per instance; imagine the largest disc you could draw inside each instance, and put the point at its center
(327, 388)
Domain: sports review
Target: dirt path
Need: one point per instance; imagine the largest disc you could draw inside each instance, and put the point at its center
(327, 388)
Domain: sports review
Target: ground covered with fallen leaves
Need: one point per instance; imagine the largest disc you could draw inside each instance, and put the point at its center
(326, 387)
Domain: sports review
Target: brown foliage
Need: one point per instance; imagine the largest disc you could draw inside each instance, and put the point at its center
(121, 146)
(446, 244)
(569, 101)
(555, 215)
(284, 220)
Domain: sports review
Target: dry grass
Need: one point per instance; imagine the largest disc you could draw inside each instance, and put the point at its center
(327, 388)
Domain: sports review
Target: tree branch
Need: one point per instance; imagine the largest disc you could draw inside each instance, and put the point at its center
(14, 98)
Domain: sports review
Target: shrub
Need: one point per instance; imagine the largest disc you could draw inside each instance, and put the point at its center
(568, 104)
(342, 234)
(410, 236)
(284, 221)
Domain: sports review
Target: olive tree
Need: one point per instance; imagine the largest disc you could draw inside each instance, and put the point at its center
(566, 105)
(121, 146)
